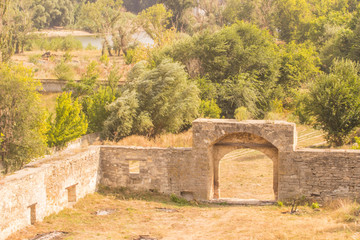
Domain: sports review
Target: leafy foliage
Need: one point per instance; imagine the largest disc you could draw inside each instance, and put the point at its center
(63, 71)
(22, 120)
(153, 101)
(334, 101)
(69, 123)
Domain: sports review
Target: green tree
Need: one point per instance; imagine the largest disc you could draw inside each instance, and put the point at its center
(88, 82)
(299, 65)
(69, 123)
(96, 111)
(154, 20)
(136, 6)
(50, 13)
(154, 101)
(178, 8)
(334, 101)
(101, 16)
(291, 18)
(22, 120)
(209, 109)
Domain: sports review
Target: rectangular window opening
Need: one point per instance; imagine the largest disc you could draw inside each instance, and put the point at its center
(71, 193)
(32, 213)
(134, 167)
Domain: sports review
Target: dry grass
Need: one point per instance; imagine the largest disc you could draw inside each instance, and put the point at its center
(44, 68)
(246, 174)
(138, 217)
(166, 140)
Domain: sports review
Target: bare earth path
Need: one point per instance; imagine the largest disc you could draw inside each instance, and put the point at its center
(132, 218)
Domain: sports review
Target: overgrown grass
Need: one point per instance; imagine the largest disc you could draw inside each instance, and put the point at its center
(166, 140)
(68, 43)
(153, 196)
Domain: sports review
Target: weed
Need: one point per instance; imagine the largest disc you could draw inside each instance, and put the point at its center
(34, 58)
(315, 205)
(105, 59)
(178, 200)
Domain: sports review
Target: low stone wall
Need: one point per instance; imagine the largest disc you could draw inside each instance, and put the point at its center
(161, 169)
(46, 187)
(320, 174)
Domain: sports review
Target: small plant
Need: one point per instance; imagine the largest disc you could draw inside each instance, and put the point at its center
(90, 47)
(178, 200)
(242, 113)
(315, 205)
(67, 57)
(280, 204)
(105, 59)
(34, 58)
(63, 71)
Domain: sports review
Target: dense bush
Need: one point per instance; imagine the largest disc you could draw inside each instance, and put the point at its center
(22, 120)
(69, 123)
(63, 71)
(334, 101)
(153, 101)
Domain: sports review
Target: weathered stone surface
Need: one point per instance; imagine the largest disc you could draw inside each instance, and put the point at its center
(49, 185)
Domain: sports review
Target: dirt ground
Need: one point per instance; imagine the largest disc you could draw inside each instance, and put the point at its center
(166, 220)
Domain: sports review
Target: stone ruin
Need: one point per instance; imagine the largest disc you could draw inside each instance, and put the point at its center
(49, 185)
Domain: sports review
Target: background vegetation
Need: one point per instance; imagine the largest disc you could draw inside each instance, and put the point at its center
(263, 59)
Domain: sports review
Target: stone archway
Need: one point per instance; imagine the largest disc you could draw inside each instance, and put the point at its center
(213, 138)
(234, 141)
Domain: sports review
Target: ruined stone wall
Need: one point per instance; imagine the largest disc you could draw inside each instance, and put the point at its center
(46, 187)
(51, 184)
(161, 169)
(320, 174)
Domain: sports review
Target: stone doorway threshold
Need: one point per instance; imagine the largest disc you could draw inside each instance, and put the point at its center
(246, 202)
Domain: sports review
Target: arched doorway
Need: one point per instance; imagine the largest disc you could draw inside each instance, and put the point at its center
(234, 141)
(246, 174)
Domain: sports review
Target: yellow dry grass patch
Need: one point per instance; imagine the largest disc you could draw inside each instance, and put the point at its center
(246, 174)
(134, 217)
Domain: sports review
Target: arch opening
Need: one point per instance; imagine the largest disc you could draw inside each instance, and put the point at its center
(242, 162)
(246, 174)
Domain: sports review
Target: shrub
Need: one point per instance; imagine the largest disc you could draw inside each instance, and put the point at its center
(242, 113)
(69, 123)
(334, 101)
(209, 109)
(104, 59)
(63, 71)
(154, 101)
(22, 120)
(34, 58)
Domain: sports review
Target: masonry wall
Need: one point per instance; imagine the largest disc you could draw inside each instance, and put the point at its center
(161, 169)
(320, 174)
(42, 187)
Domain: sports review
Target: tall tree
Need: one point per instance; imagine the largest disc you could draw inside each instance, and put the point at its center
(178, 8)
(334, 101)
(101, 16)
(154, 101)
(22, 120)
(69, 123)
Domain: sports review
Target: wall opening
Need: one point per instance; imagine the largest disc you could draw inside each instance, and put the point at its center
(32, 213)
(246, 174)
(134, 166)
(245, 166)
(71, 193)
